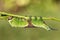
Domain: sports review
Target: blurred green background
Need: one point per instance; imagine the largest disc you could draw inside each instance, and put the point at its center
(44, 8)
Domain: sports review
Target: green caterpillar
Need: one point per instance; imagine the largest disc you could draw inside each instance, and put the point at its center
(26, 21)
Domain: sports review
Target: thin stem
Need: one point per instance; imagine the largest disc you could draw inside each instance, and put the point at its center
(44, 18)
(10, 14)
(51, 18)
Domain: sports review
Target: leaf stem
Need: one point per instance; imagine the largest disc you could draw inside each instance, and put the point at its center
(44, 18)
(51, 18)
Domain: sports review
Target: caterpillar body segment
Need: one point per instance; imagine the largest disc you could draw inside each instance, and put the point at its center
(18, 22)
(38, 22)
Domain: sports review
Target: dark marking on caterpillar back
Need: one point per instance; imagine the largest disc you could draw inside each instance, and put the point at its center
(21, 19)
(25, 15)
(30, 17)
(41, 18)
(35, 17)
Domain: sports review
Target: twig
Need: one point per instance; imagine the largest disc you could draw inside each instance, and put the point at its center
(44, 18)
